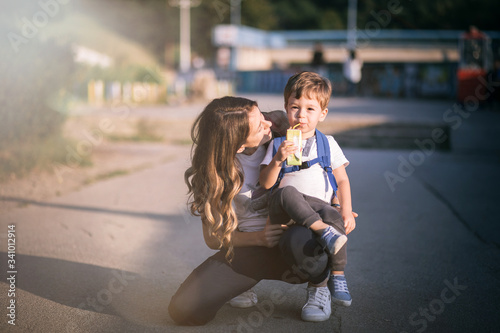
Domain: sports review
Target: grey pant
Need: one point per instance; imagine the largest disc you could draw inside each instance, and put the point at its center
(287, 204)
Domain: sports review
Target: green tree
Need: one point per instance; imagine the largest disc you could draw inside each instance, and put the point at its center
(155, 23)
(259, 14)
(435, 15)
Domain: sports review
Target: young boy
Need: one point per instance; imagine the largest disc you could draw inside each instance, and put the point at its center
(305, 195)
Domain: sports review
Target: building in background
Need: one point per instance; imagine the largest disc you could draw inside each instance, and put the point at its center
(397, 63)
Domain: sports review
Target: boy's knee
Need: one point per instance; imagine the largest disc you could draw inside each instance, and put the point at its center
(332, 217)
(288, 192)
(285, 196)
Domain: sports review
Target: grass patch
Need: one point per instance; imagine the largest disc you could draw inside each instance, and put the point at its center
(145, 131)
(107, 175)
(182, 142)
(16, 161)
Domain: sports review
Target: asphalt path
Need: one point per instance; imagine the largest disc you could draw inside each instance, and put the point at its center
(424, 257)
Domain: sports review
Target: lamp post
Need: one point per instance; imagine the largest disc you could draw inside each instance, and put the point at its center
(235, 20)
(185, 31)
(351, 24)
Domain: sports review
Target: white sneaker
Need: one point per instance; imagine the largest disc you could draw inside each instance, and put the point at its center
(318, 306)
(245, 300)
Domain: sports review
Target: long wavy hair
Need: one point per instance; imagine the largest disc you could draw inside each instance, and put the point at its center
(215, 175)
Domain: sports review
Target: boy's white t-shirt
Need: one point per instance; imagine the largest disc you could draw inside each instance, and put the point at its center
(252, 211)
(312, 181)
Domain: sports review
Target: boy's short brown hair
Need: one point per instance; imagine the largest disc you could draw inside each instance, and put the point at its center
(310, 85)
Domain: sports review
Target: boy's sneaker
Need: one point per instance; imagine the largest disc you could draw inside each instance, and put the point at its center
(245, 300)
(338, 288)
(318, 306)
(332, 240)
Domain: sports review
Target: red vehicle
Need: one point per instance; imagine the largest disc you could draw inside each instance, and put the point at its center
(476, 60)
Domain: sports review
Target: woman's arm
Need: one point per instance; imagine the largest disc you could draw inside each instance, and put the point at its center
(268, 237)
(211, 241)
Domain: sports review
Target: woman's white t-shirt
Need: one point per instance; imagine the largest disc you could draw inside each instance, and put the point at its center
(250, 204)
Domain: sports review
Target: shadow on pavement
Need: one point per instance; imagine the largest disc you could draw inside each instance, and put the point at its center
(78, 285)
(138, 300)
(153, 216)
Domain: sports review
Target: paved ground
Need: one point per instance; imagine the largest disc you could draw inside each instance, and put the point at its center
(424, 257)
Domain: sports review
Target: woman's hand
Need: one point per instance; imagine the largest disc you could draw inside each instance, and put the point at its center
(272, 234)
(268, 237)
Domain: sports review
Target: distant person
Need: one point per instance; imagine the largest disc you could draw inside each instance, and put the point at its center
(352, 72)
(305, 194)
(318, 60)
(473, 55)
(222, 180)
(494, 82)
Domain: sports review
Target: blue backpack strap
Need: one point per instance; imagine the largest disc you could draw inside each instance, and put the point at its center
(276, 143)
(325, 159)
(284, 167)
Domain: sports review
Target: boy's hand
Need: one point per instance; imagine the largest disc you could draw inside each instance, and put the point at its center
(349, 220)
(286, 148)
